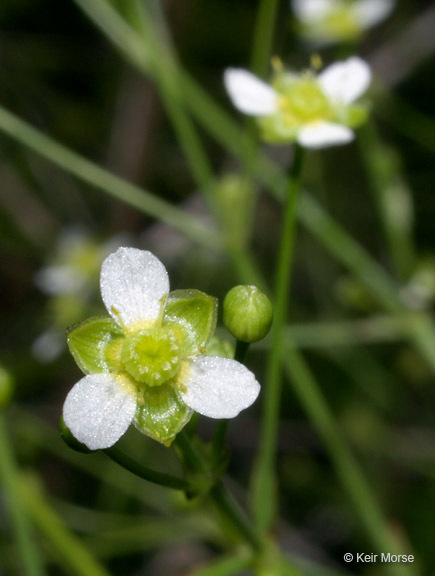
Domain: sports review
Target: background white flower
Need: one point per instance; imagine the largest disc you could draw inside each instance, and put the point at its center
(101, 406)
(336, 20)
(314, 110)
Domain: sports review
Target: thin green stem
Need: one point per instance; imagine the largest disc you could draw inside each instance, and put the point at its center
(347, 468)
(143, 472)
(391, 197)
(72, 554)
(164, 69)
(241, 351)
(345, 333)
(263, 37)
(112, 185)
(264, 489)
(219, 495)
(233, 513)
(28, 553)
(225, 566)
(220, 434)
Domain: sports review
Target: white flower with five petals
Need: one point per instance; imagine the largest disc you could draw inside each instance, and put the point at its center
(314, 110)
(146, 365)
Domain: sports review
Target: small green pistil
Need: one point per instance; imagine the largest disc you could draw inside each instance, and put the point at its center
(152, 356)
(304, 101)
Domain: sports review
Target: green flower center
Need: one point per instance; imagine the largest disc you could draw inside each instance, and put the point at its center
(152, 356)
(342, 23)
(303, 100)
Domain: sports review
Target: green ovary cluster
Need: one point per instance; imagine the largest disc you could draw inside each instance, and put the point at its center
(303, 101)
(152, 356)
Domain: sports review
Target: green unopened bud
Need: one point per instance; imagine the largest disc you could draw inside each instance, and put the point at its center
(69, 439)
(6, 387)
(248, 313)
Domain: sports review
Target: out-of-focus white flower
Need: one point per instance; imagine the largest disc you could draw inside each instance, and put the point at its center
(338, 20)
(315, 110)
(69, 279)
(146, 365)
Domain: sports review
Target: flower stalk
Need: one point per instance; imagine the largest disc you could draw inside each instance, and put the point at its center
(264, 479)
(145, 473)
(219, 495)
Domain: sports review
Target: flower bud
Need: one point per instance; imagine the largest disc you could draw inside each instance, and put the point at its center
(6, 387)
(248, 313)
(69, 439)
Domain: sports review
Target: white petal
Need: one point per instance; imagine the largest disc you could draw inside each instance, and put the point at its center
(345, 82)
(249, 94)
(217, 387)
(134, 285)
(371, 12)
(324, 134)
(99, 409)
(312, 11)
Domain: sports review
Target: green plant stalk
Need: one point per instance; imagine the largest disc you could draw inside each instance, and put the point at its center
(264, 489)
(72, 554)
(112, 185)
(345, 333)
(403, 117)
(220, 434)
(164, 68)
(219, 495)
(263, 36)
(226, 566)
(145, 473)
(30, 560)
(347, 468)
(384, 181)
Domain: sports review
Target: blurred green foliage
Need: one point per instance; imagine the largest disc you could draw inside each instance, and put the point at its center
(60, 74)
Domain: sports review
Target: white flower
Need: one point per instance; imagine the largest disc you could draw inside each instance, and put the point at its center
(150, 361)
(314, 110)
(335, 20)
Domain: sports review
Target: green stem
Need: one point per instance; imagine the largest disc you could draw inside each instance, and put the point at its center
(219, 438)
(72, 554)
(225, 566)
(143, 472)
(347, 333)
(219, 494)
(264, 33)
(391, 197)
(241, 351)
(347, 468)
(28, 553)
(112, 185)
(264, 481)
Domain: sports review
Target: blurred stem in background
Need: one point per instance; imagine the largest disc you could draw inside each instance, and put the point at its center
(29, 558)
(392, 199)
(263, 36)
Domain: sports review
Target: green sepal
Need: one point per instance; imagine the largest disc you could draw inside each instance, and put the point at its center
(275, 130)
(95, 345)
(161, 413)
(219, 347)
(195, 313)
(354, 115)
